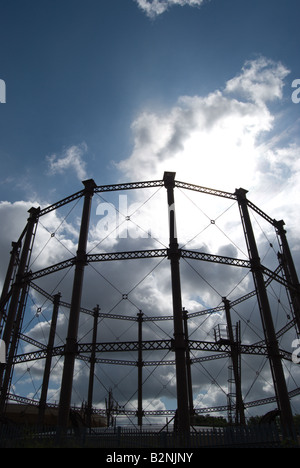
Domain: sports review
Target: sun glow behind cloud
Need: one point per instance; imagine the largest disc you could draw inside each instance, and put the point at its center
(213, 140)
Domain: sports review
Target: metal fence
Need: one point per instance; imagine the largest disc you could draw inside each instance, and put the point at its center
(257, 436)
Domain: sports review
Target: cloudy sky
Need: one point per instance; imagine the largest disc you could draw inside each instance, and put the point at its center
(121, 91)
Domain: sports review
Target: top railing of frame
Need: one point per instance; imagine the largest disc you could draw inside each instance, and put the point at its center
(150, 184)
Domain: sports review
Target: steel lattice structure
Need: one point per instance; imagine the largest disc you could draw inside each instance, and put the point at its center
(20, 279)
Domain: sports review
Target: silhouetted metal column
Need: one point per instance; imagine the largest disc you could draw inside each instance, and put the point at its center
(13, 346)
(234, 347)
(290, 272)
(71, 342)
(48, 361)
(188, 364)
(267, 321)
(140, 369)
(9, 276)
(92, 367)
(179, 338)
(17, 287)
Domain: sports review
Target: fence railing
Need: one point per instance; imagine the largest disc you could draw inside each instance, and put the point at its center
(256, 436)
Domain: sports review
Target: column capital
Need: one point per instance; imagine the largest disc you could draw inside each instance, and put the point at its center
(89, 185)
(169, 179)
(241, 193)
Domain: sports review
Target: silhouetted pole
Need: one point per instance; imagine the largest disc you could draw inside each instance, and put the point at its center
(140, 369)
(287, 262)
(267, 321)
(179, 338)
(92, 367)
(17, 287)
(71, 342)
(240, 413)
(48, 361)
(188, 364)
(9, 276)
(14, 343)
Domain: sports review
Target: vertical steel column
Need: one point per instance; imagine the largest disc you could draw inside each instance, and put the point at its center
(267, 321)
(9, 276)
(179, 338)
(92, 367)
(13, 345)
(48, 361)
(17, 287)
(290, 271)
(71, 341)
(140, 369)
(234, 347)
(188, 364)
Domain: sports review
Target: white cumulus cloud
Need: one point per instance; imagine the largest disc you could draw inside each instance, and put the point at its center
(261, 81)
(153, 8)
(211, 140)
(70, 160)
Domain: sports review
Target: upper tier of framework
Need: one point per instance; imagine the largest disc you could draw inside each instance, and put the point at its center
(154, 183)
